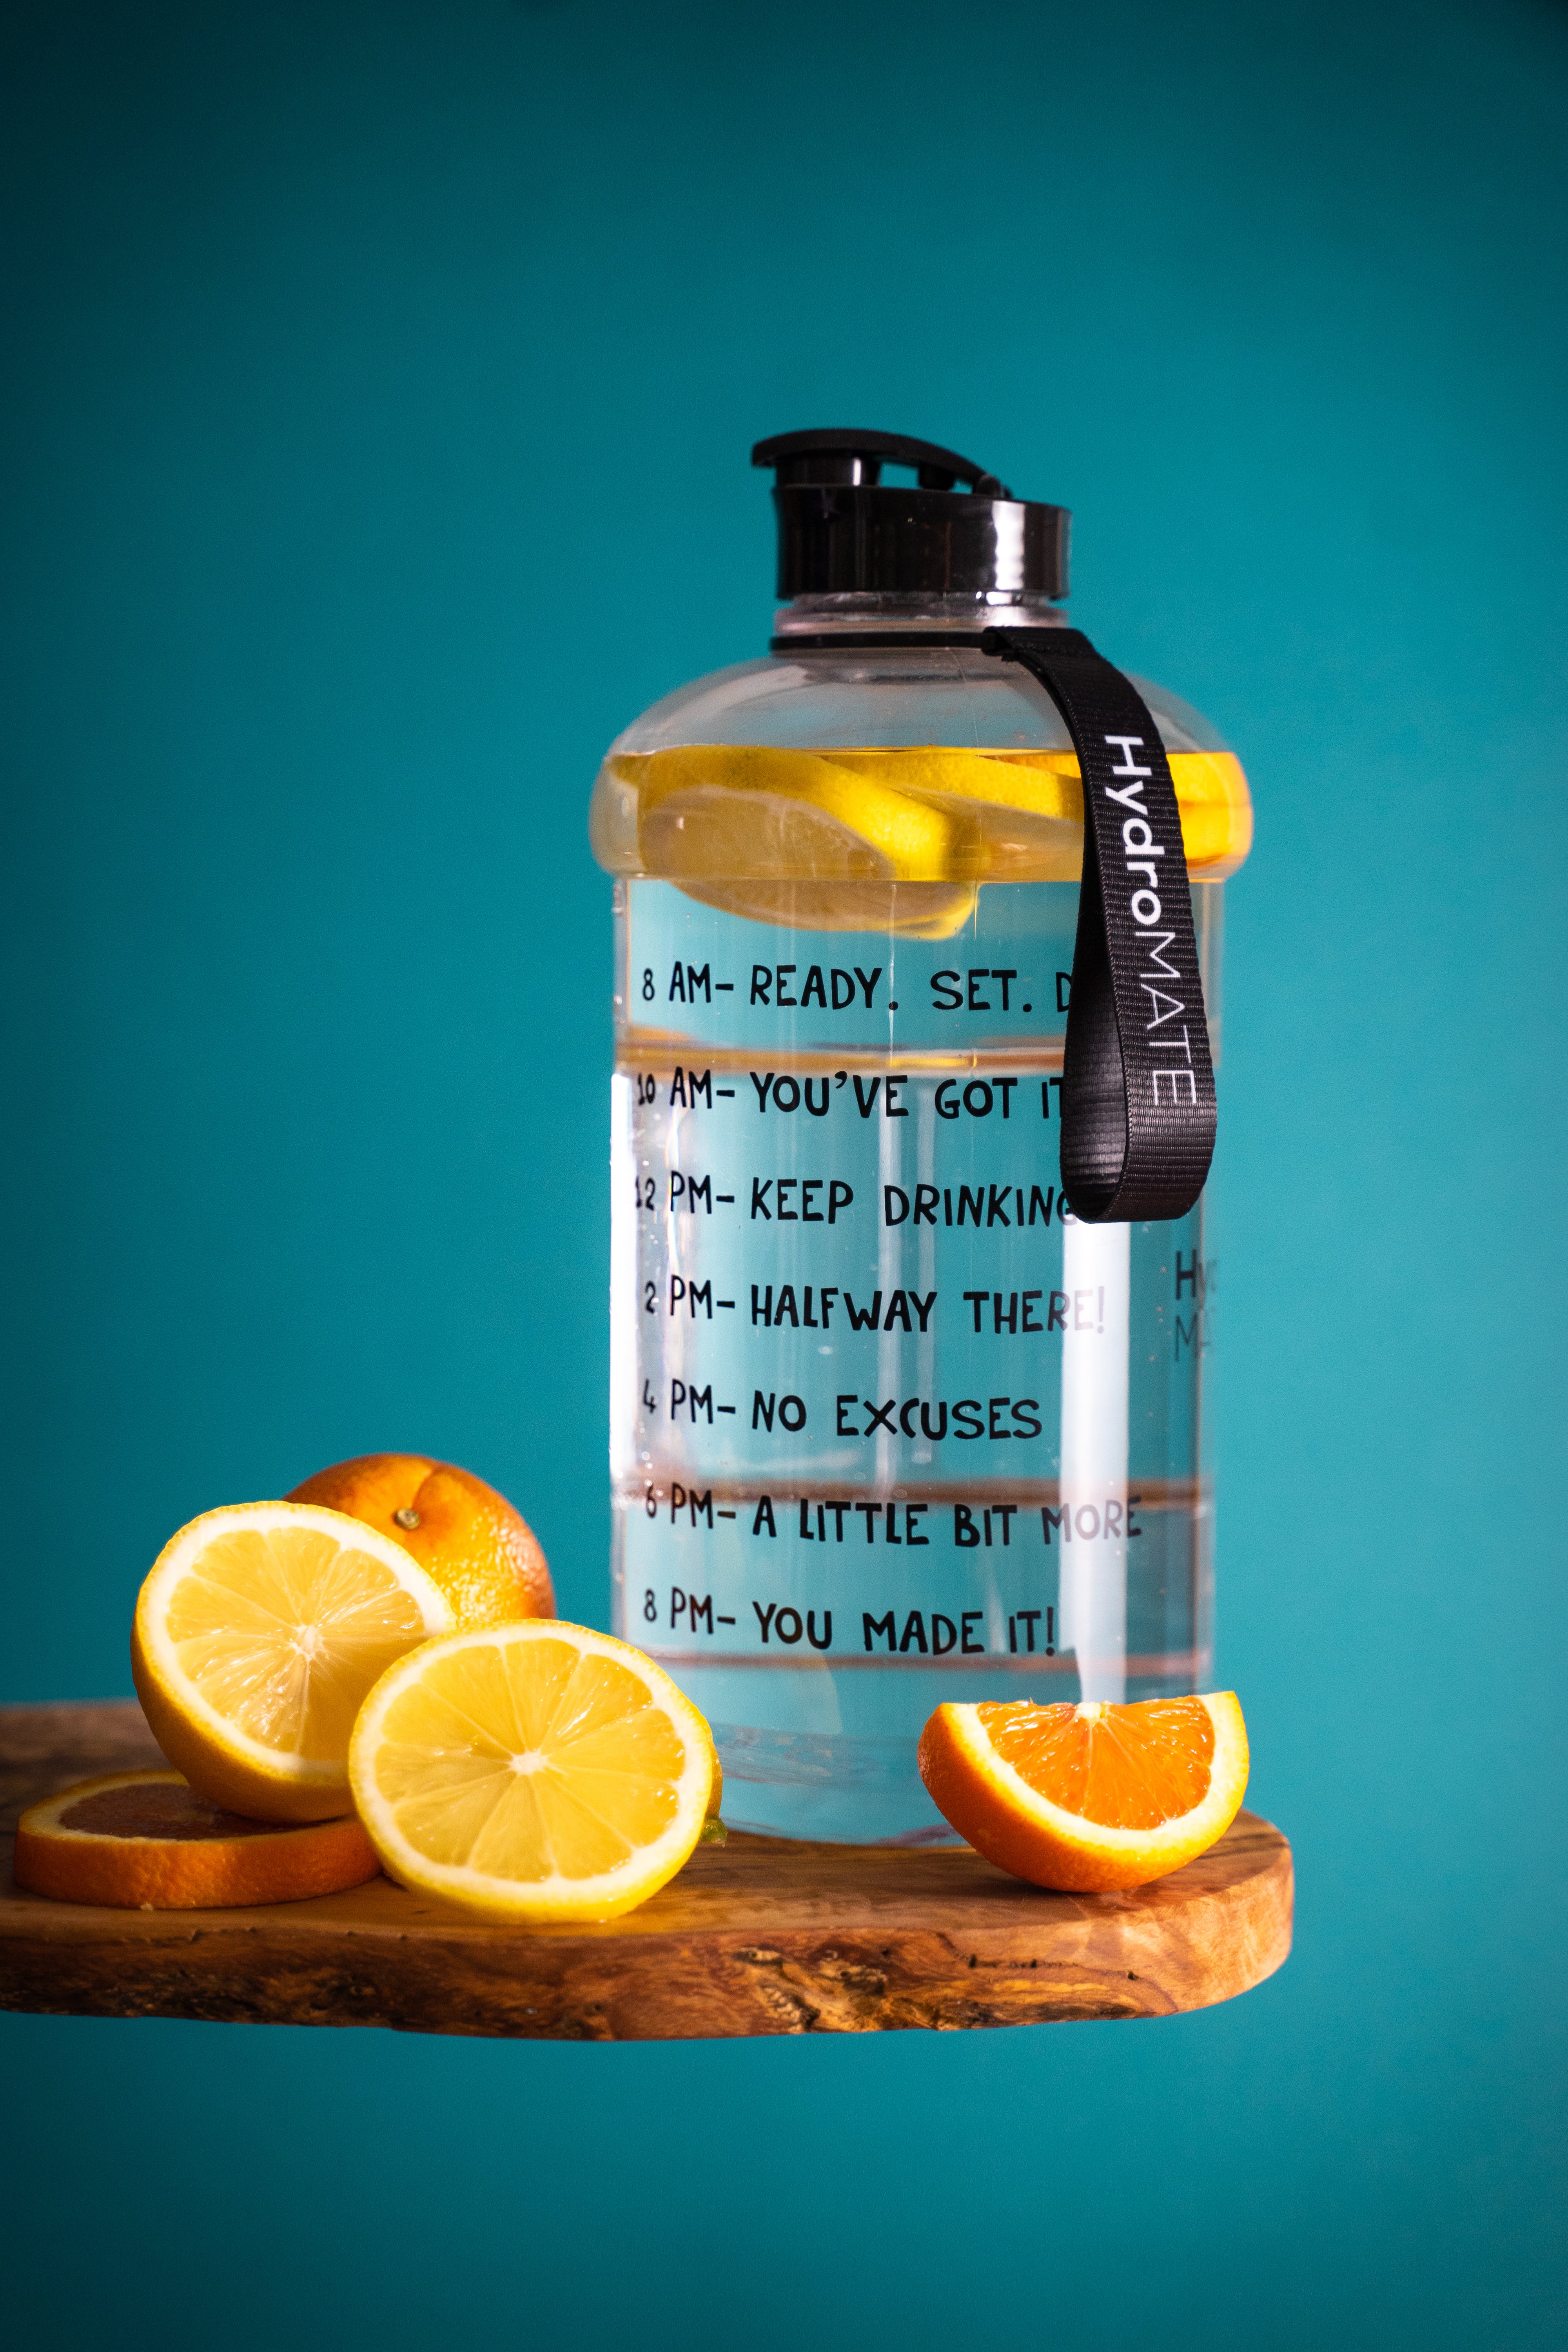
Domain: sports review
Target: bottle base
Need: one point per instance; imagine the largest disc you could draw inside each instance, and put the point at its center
(826, 1787)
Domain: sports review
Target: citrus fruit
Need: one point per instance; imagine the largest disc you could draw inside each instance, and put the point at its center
(1028, 806)
(778, 834)
(1092, 1797)
(257, 1632)
(481, 1551)
(146, 1841)
(1025, 809)
(884, 837)
(531, 1773)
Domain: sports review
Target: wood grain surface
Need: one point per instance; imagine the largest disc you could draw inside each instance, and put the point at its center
(763, 1936)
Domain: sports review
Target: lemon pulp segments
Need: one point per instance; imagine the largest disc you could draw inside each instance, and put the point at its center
(529, 1764)
(282, 1630)
(257, 1632)
(537, 1770)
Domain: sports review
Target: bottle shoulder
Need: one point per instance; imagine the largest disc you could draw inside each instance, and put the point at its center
(895, 699)
(857, 772)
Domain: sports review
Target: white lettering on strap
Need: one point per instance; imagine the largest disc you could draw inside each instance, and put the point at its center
(1157, 997)
(1138, 825)
(1129, 766)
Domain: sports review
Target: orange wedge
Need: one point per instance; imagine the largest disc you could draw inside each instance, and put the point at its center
(1093, 1797)
(145, 1841)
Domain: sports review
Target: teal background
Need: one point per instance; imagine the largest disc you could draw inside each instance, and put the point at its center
(379, 382)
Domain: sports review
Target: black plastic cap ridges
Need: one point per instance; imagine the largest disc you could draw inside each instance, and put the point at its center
(841, 531)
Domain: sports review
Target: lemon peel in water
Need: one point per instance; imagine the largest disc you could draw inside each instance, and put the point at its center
(893, 839)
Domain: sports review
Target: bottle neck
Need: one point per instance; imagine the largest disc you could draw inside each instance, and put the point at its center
(852, 613)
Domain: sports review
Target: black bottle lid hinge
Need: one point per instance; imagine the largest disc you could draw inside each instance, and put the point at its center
(843, 530)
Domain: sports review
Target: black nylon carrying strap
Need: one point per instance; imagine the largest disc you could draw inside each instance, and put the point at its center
(1138, 1092)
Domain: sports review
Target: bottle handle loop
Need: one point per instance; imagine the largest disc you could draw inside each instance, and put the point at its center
(1138, 1089)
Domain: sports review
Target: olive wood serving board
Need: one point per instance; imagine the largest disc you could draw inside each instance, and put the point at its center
(763, 1936)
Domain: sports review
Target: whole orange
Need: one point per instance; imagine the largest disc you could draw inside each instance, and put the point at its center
(479, 1549)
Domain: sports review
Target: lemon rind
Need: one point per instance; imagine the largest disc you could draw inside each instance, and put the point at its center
(957, 783)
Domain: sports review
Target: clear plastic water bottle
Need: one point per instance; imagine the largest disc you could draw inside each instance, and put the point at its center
(889, 1425)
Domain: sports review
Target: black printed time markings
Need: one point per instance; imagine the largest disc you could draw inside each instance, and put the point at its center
(837, 987)
(689, 1195)
(782, 1093)
(881, 1097)
(863, 1574)
(878, 1522)
(895, 1630)
(995, 1419)
(688, 982)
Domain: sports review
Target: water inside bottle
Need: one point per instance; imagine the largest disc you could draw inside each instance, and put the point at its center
(889, 1425)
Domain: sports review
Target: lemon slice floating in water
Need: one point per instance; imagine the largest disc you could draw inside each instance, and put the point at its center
(891, 839)
(789, 836)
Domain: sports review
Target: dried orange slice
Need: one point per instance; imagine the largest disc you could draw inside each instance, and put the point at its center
(145, 1841)
(257, 1632)
(531, 1773)
(1092, 1797)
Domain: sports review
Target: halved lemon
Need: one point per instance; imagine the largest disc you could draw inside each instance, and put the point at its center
(531, 1773)
(1092, 1797)
(792, 836)
(258, 1633)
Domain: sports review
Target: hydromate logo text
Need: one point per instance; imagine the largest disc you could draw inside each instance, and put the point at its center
(1146, 912)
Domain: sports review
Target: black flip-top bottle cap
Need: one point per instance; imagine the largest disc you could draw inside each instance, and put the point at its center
(841, 529)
